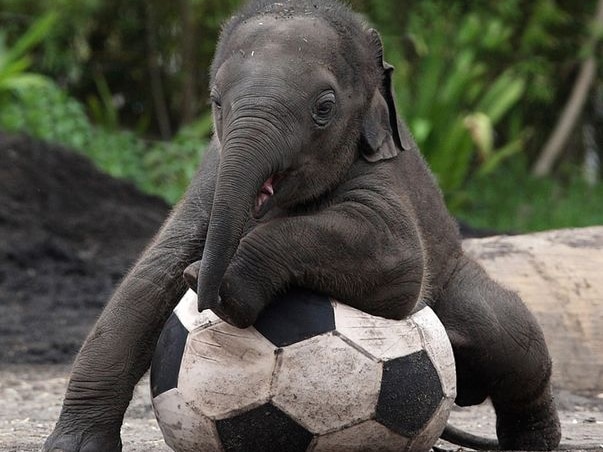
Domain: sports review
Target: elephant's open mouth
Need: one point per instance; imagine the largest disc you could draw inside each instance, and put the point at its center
(263, 199)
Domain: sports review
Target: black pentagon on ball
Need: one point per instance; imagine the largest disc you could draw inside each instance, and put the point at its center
(297, 315)
(410, 393)
(168, 356)
(263, 429)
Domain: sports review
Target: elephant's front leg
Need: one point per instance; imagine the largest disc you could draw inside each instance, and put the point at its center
(108, 366)
(118, 351)
(347, 251)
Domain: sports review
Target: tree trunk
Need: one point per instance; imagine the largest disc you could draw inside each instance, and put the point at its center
(575, 104)
(189, 62)
(159, 100)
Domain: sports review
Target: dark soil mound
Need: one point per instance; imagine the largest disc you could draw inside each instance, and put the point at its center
(68, 233)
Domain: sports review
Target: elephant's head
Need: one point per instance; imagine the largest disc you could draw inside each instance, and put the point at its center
(298, 96)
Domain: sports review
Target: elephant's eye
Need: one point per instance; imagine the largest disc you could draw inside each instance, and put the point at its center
(215, 100)
(324, 108)
(216, 103)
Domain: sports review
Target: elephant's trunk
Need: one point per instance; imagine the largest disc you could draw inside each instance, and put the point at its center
(242, 172)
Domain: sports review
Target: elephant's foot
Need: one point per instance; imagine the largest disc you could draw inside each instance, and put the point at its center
(89, 427)
(88, 440)
(241, 299)
(529, 429)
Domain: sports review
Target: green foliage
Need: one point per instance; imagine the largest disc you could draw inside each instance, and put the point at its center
(480, 84)
(65, 53)
(451, 103)
(171, 165)
(142, 51)
(102, 107)
(50, 114)
(15, 61)
(47, 112)
(161, 168)
(36, 105)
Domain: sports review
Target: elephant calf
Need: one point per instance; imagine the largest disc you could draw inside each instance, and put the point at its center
(311, 180)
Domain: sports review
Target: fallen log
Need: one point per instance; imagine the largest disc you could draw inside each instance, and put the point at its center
(559, 275)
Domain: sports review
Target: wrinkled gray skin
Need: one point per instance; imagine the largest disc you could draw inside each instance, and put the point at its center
(303, 107)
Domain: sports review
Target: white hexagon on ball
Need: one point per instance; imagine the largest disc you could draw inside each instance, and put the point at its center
(181, 426)
(383, 338)
(225, 369)
(314, 380)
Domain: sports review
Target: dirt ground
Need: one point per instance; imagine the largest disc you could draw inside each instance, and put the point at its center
(31, 400)
(68, 233)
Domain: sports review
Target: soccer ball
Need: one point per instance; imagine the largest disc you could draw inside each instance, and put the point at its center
(312, 374)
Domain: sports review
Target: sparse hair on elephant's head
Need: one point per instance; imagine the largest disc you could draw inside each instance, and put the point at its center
(348, 24)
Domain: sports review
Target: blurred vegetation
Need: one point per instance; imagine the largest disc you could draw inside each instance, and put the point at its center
(511, 201)
(481, 85)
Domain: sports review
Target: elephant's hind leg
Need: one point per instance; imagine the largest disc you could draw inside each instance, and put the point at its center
(500, 353)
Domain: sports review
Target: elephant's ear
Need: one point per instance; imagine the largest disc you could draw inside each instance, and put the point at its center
(383, 134)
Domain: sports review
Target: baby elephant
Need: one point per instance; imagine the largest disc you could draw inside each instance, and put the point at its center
(311, 180)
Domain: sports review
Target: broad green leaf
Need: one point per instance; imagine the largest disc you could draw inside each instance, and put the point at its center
(33, 36)
(13, 68)
(501, 96)
(23, 81)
